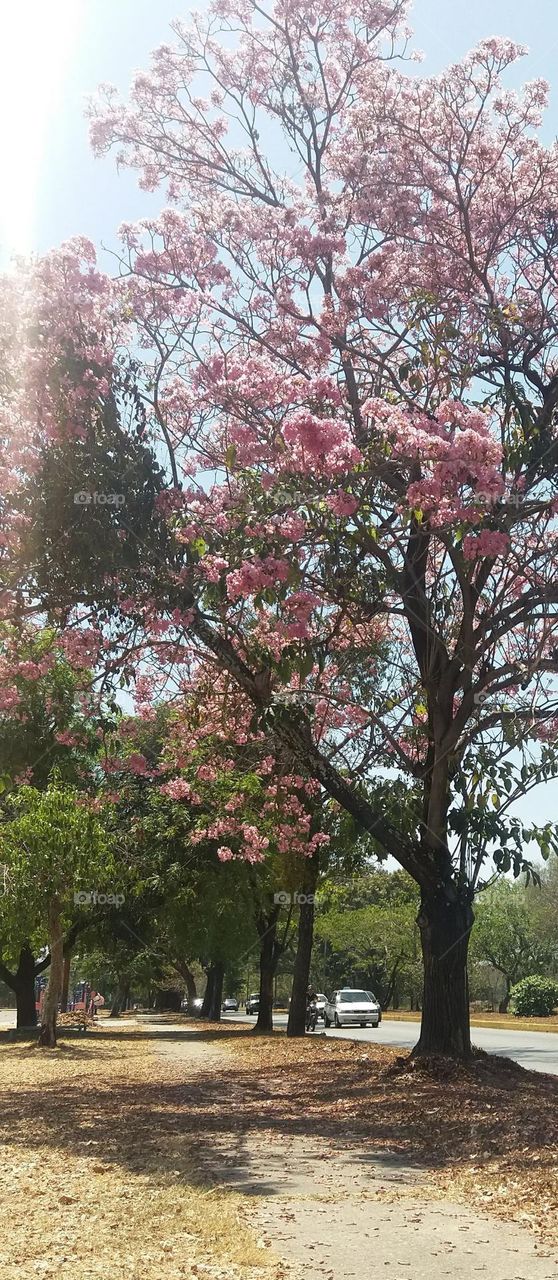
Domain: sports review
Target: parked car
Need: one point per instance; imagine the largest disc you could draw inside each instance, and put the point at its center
(230, 1004)
(373, 997)
(321, 1002)
(253, 1003)
(351, 1005)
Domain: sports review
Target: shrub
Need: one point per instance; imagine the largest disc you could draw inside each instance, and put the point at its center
(535, 996)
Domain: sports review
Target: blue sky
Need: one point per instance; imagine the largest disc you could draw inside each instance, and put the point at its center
(53, 53)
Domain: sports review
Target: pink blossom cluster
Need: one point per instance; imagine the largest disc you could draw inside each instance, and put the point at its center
(488, 544)
(255, 575)
(321, 443)
(179, 789)
(455, 451)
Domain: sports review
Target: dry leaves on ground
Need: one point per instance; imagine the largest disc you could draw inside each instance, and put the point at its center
(98, 1175)
(487, 1132)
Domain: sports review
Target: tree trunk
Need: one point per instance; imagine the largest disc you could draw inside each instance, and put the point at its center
(268, 964)
(391, 993)
(186, 973)
(216, 998)
(208, 993)
(65, 983)
(504, 1003)
(22, 983)
(296, 1025)
(120, 998)
(47, 1037)
(445, 928)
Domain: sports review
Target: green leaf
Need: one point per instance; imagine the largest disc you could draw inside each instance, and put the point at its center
(200, 546)
(230, 456)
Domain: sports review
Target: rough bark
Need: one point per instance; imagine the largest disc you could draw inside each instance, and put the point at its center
(24, 987)
(186, 973)
(208, 993)
(65, 982)
(268, 966)
(216, 995)
(296, 1025)
(47, 1037)
(445, 928)
(22, 983)
(120, 1000)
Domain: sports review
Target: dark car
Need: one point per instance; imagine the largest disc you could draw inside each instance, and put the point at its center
(230, 1004)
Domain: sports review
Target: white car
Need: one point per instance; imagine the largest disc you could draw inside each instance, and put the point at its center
(321, 1001)
(351, 1005)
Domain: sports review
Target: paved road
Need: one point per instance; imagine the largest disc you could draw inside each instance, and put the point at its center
(536, 1050)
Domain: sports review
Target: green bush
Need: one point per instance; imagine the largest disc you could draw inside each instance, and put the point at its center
(535, 997)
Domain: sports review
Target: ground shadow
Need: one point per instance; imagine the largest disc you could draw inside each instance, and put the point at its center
(203, 1123)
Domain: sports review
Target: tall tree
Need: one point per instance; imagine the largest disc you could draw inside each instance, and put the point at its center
(343, 411)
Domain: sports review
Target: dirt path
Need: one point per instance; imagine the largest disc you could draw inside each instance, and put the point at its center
(335, 1213)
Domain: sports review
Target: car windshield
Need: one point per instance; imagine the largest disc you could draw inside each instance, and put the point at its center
(349, 997)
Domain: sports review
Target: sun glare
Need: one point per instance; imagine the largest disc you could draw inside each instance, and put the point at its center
(36, 40)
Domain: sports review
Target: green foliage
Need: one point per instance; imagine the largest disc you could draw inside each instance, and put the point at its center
(51, 846)
(535, 997)
(507, 933)
(182, 904)
(46, 707)
(486, 785)
(76, 548)
(366, 926)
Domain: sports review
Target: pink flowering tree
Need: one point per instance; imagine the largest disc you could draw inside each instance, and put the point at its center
(231, 792)
(343, 379)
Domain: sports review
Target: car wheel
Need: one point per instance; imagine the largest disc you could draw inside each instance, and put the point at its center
(336, 1021)
(363, 1024)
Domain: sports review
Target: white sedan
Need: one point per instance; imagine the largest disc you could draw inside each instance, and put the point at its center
(350, 1005)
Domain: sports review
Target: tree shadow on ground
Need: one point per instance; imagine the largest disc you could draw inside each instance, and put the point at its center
(203, 1124)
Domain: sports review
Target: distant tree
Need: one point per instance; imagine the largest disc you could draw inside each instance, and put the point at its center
(52, 847)
(507, 936)
(49, 719)
(368, 925)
